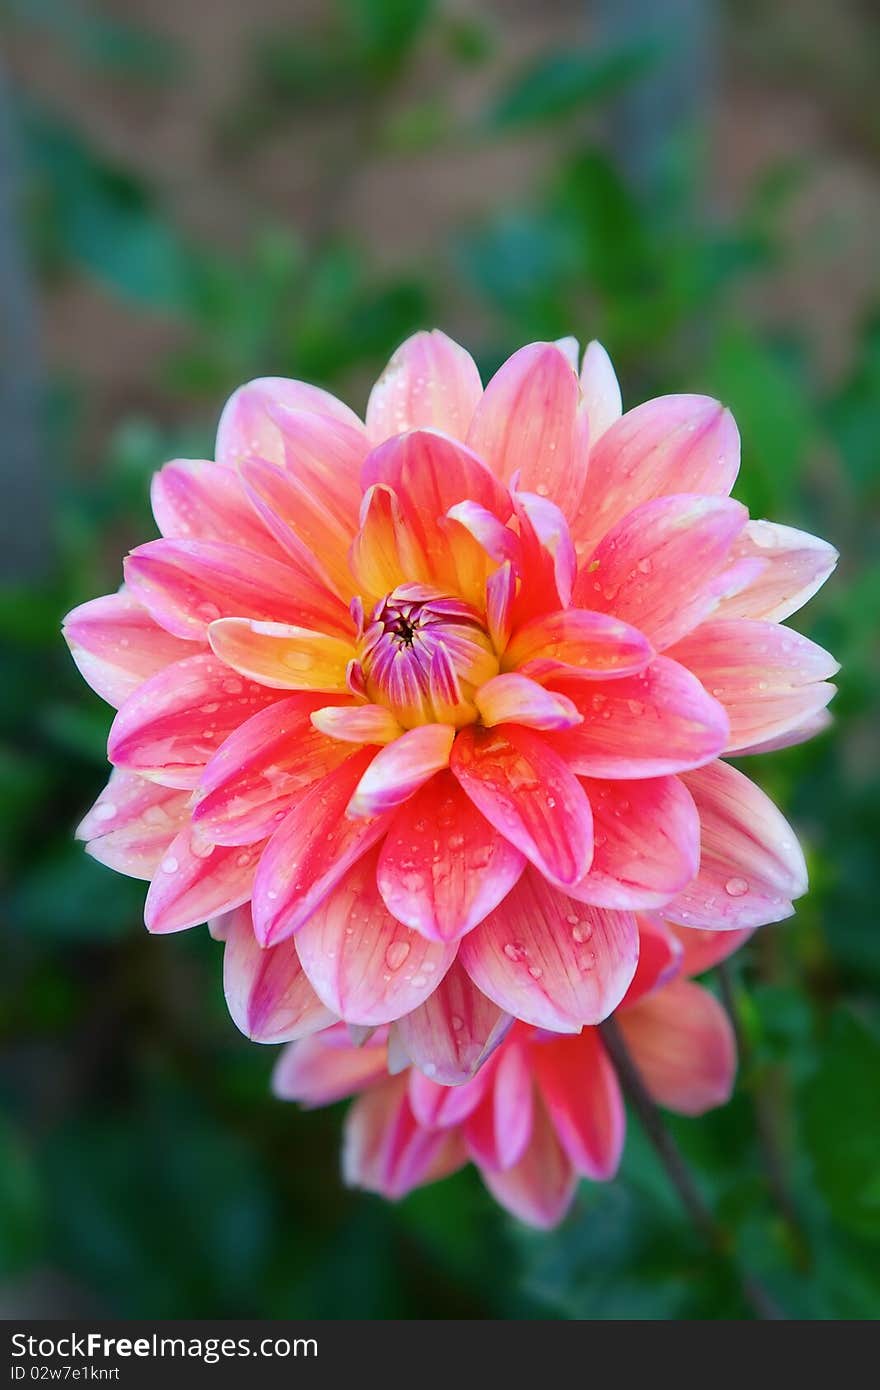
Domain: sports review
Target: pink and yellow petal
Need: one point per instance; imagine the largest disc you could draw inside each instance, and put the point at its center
(429, 382)
(117, 645)
(282, 656)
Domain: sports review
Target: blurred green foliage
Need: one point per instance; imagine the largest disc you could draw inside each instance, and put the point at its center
(142, 1162)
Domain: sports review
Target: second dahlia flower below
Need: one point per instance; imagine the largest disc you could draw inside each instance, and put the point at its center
(433, 704)
(544, 1109)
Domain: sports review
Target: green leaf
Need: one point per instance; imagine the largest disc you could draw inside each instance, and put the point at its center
(564, 82)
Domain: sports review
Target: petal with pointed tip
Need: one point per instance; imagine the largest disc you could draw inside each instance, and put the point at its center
(454, 1031)
(132, 824)
(248, 425)
(600, 389)
(315, 1074)
(430, 381)
(282, 656)
(267, 991)
(796, 565)
(401, 768)
(117, 645)
(498, 1131)
(197, 880)
(194, 499)
(540, 1188)
(647, 842)
(577, 642)
(357, 723)
(514, 699)
(582, 1095)
(682, 1043)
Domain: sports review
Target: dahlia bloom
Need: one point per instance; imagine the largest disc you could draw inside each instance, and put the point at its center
(546, 1108)
(423, 710)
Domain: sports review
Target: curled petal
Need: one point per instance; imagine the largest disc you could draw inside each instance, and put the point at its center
(683, 1046)
(197, 880)
(529, 422)
(400, 768)
(314, 1072)
(795, 566)
(312, 849)
(186, 585)
(443, 867)
(751, 866)
(600, 390)
(357, 723)
(429, 382)
(581, 1092)
(132, 824)
(499, 1129)
(647, 842)
(546, 559)
(252, 779)
(454, 1031)
(576, 642)
(171, 726)
(117, 645)
(194, 499)
(672, 444)
(659, 567)
(551, 961)
(267, 992)
(500, 595)
(540, 1187)
(514, 699)
(657, 722)
(385, 551)
(769, 679)
(282, 656)
(249, 426)
(525, 790)
(364, 964)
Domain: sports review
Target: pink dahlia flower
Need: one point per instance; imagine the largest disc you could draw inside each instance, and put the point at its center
(442, 695)
(545, 1108)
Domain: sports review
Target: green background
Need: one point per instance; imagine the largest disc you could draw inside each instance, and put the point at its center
(364, 168)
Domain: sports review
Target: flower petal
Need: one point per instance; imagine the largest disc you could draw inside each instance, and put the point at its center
(197, 880)
(647, 842)
(659, 567)
(430, 381)
(529, 422)
(364, 964)
(550, 961)
(796, 565)
(252, 779)
(171, 726)
(385, 551)
(751, 865)
(443, 1107)
(500, 1128)
(400, 768)
(682, 1043)
(282, 656)
(583, 1099)
(704, 949)
(454, 1031)
(546, 558)
(267, 992)
(808, 728)
(117, 645)
(657, 722)
(514, 699)
(386, 1150)
(312, 849)
(186, 585)
(600, 390)
(576, 642)
(539, 1189)
(443, 867)
(672, 444)
(314, 1073)
(194, 499)
(132, 824)
(357, 723)
(661, 957)
(249, 426)
(525, 790)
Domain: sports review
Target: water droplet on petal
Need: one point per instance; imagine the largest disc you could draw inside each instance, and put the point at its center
(396, 954)
(736, 887)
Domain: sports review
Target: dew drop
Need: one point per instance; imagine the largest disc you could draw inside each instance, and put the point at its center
(396, 954)
(170, 865)
(736, 887)
(105, 811)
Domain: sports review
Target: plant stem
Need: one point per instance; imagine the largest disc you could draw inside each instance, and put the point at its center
(677, 1170)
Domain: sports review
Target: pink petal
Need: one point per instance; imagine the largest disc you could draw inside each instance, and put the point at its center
(580, 1090)
(443, 867)
(529, 422)
(499, 1130)
(117, 645)
(703, 949)
(132, 824)
(173, 723)
(672, 444)
(267, 991)
(514, 699)
(768, 678)
(258, 771)
(315, 1074)
(282, 656)
(500, 596)
(659, 567)
(186, 585)
(683, 1046)
(248, 425)
(525, 790)
(600, 390)
(364, 964)
(576, 642)
(661, 958)
(540, 1188)
(550, 961)
(443, 1107)
(647, 843)
(429, 382)
(751, 865)
(385, 551)
(194, 499)
(546, 560)
(400, 768)
(796, 565)
(197, 880)
(657, 722)
(451, 1035)
(312, 849)
(811, 726)
(385, 1150)
(357, 723)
